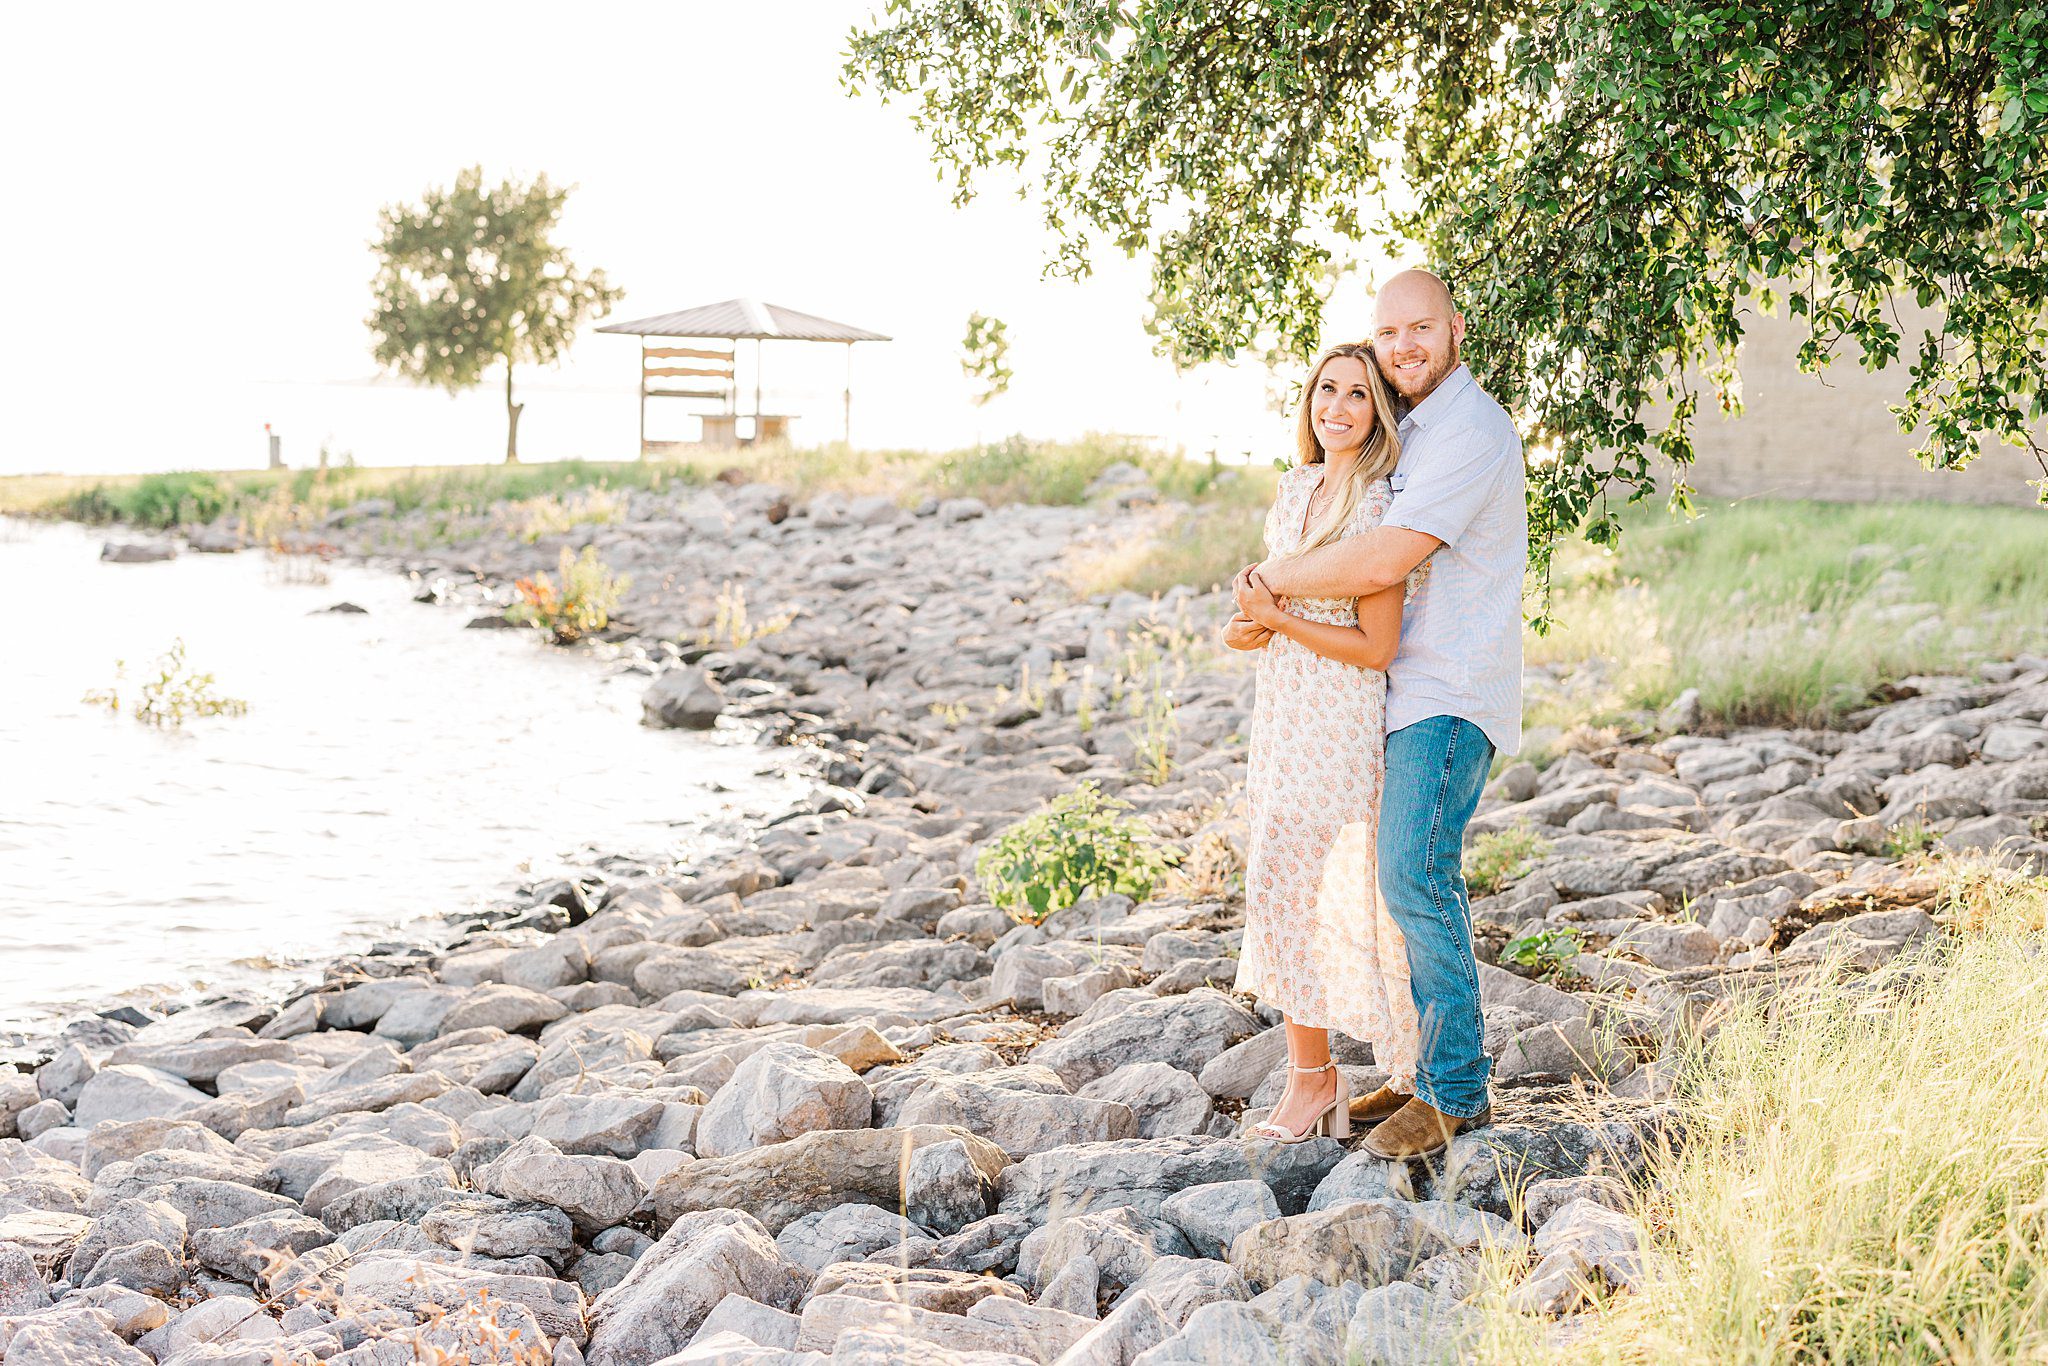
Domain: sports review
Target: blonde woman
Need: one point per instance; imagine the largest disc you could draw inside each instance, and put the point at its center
(1318, 943)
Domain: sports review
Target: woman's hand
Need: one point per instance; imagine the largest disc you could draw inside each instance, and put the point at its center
(1256, 600)
(1242, 633)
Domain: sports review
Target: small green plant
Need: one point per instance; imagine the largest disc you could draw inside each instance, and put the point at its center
(1909, 837)
(1158, 726)
(1082, 844)
(177, 693)
(581, 603)
(1547, 953)
(951, 713)
(1498, 858)
(732, 628)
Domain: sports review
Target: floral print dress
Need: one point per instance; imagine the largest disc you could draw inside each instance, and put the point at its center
(1319, 943)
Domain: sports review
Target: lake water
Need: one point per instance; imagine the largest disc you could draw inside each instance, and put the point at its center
(392, 768)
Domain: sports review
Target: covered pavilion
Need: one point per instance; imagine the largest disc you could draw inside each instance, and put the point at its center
(708, 371)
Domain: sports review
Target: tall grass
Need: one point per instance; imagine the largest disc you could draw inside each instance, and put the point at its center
(1865, 1171)
(1791, 613)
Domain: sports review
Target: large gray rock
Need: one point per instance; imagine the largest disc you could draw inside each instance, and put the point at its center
(1122, 1243)
(1018, 1122)
(371, 1166)
(682, 698)
(597, 1193)
(415, 1285)
(499, 1228)
(901, 963)
(845, 1234)
(1869, 940)
(124, 1093)
(783, 1091)
(202, 1060)
(70, 1338)
(1213, 1215)
(947, 1186)
(819, 1171)
(1493, 1168)
(1165, 1099)
(615, 1125)
(674, 1286)
(1405, 1325)
(61, 1078)
(127, 1224)
(247, 1251)
(1143, 1173)
(501, 1005)
(21, 1285)
(1369, 1241)
(1181, 1030)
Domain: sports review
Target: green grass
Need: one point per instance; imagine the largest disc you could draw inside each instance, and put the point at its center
(1865, 1172)
(1788, 613)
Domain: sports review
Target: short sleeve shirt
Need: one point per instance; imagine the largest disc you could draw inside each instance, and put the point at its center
(1460, 480)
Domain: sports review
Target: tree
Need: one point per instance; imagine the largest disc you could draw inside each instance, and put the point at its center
(1611, 187)
(985, 356)
(471, 277)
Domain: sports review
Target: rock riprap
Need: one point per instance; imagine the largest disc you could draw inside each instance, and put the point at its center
(815, 1094)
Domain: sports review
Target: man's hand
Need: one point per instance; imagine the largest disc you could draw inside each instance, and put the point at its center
(1242, 633)
(1257, 601)
(1241, 588)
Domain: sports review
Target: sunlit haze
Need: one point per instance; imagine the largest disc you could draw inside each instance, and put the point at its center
(193, 194)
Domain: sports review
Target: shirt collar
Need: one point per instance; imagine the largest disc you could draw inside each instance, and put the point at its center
(1441, 399)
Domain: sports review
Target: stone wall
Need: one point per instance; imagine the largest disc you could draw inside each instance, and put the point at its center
(1832, 436)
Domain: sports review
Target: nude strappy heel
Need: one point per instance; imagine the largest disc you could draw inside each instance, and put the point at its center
(1334, 1119)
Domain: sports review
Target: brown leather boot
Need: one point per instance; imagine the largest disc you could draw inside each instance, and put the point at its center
(1418, 1129)
(1377, 1106)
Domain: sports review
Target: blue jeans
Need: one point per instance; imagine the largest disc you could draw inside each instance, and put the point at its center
(1435, 769)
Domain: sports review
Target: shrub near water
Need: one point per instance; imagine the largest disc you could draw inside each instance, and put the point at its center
(1080, 845)
(581, 603)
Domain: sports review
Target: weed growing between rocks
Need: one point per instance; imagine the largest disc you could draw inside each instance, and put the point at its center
(1081, 845)
(732, 628)
(1498, 858)
(1546, 953)
(579, 605)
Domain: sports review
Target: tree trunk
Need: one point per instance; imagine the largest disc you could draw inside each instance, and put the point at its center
(512, 411)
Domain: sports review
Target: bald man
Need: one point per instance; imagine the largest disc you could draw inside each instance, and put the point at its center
(1454, 690)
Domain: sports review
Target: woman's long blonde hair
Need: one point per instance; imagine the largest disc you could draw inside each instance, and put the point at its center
(1382, 449)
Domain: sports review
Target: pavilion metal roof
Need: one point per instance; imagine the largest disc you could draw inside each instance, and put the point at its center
(743, 318)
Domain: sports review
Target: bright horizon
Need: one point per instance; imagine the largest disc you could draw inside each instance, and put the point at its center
(195, 260)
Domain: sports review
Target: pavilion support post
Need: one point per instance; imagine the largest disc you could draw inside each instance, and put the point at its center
(643, 398)
(757, 389)
(846, 412)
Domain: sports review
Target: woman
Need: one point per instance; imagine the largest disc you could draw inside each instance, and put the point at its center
(1318, 943)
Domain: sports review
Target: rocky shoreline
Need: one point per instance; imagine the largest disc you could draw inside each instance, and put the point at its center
(820, 1101)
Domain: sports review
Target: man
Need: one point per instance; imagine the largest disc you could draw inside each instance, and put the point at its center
(1454, 692)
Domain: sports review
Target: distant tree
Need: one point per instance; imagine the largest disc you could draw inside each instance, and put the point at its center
(472, 276)
(1611, 186)
(985, 357)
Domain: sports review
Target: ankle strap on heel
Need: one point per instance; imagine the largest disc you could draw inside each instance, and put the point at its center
(1311, 1071)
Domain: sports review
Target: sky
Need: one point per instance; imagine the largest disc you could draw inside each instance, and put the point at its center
(194, 191)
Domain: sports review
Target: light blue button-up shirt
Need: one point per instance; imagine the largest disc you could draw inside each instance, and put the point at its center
(1460, 480)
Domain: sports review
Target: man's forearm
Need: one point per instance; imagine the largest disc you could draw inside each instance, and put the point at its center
(1349, 568)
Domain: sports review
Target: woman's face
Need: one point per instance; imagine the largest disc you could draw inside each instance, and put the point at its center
(1340, 410)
